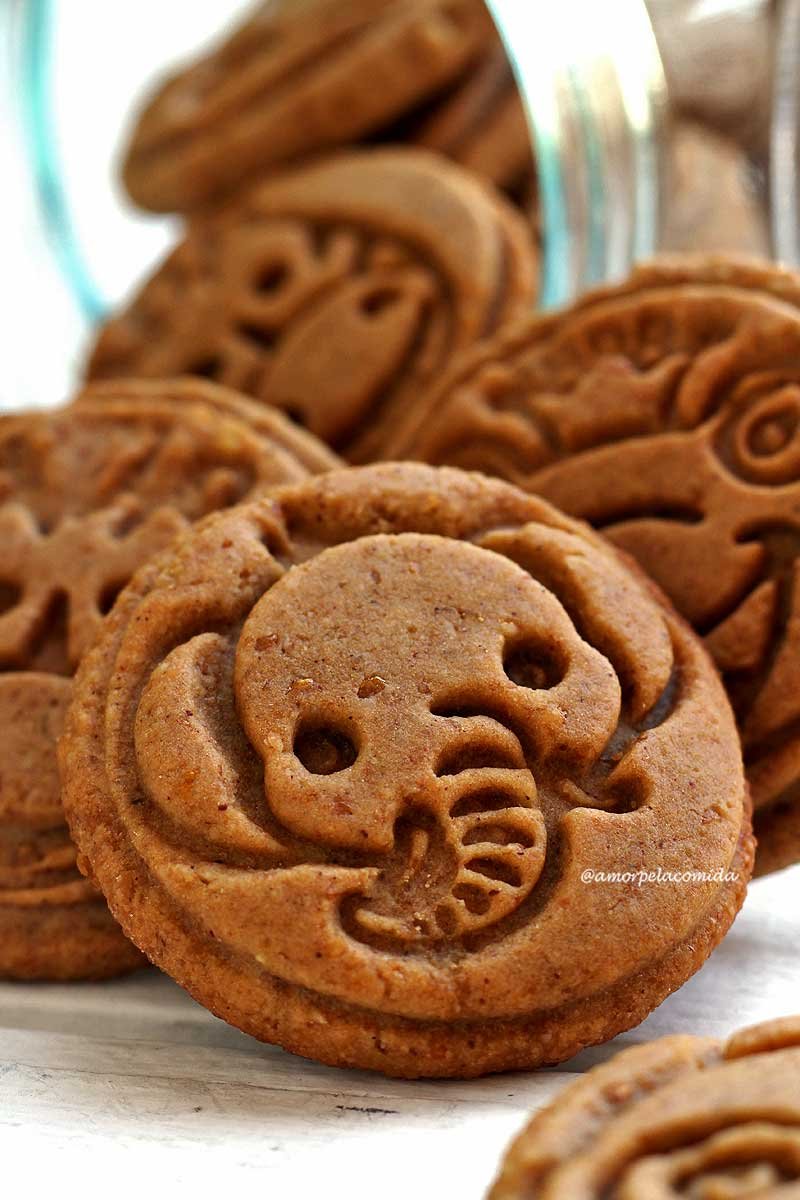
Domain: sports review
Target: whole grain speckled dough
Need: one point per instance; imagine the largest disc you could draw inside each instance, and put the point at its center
(341, 757)
(87, 494)
(336, 293)
(682, 1116)
(666, 411)
(297, 79)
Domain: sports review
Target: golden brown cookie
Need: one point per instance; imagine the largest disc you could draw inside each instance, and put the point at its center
(680, 1117)
(481, 123)
(340, 760)
(336, 293)
(87, 494)
(666, 412)
(296, 79)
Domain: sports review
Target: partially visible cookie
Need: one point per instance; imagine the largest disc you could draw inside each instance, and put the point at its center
(682, 1116)
(87, 494)
(336, 293)
(295, 80)
(482, 124)
(666, 411)
(342, 758)
(281, 434)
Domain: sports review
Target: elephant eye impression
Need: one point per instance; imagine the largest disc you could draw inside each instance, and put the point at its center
(322, 748)
(533, 664)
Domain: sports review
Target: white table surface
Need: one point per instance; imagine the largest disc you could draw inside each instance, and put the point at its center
(133, 1082)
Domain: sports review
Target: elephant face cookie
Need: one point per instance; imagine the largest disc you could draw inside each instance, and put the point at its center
(87, 494)
(336, 293)
(666, 412)
(363, 739)
(682, 1116)
(295, 80)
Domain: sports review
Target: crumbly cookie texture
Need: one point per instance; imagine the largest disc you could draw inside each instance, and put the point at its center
(87, 494)
(682, 1116)
(299, 79)
(341, 758)
(337, 293)
(666, 411)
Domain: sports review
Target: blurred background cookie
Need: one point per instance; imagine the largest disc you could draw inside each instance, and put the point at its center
(294, 80)
(683, 1116)
(481, 124)
(337, 293)
(87, 494)
(667, 412)
(344, 761)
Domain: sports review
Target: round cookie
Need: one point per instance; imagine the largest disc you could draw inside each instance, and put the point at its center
(294, 80)
(666, 411)
(341, 757)
(682, 1116)
(87, 494)
(336, 293)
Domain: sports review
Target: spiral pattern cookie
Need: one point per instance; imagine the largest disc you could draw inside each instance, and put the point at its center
(295, 80)
(336, 293)
(342, 758)
(666, 412)
(681, 1117)
(87, 494)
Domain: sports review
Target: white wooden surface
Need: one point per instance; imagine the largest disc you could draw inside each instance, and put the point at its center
(134, 1083)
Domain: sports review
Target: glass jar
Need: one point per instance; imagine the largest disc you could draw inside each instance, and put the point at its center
(653, 123)
(656, 125)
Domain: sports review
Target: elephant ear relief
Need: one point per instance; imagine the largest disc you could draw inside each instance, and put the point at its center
(402, 769)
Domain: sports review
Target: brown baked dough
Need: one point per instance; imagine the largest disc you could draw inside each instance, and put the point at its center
(337, 293)
(666, 411)
(87, 494)
(296, 79)
(340, 758)
(680, 1117)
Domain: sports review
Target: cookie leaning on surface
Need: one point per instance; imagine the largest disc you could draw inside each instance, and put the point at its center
(341, 758)
(87, 494)
(682, 1116)
(666, 411)
(295, 80)
(336, 293)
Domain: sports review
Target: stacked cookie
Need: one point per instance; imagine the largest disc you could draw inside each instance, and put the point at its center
(89, 494)
(394, 763)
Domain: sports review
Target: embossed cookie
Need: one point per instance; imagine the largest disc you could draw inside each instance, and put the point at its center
(87, 494)
(340, 760)
(666, 411)
(296, 79)
(336, 293)
(682, 1116)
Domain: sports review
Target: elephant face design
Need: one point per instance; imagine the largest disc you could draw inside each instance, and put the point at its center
(377, 741)
(369, 745)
